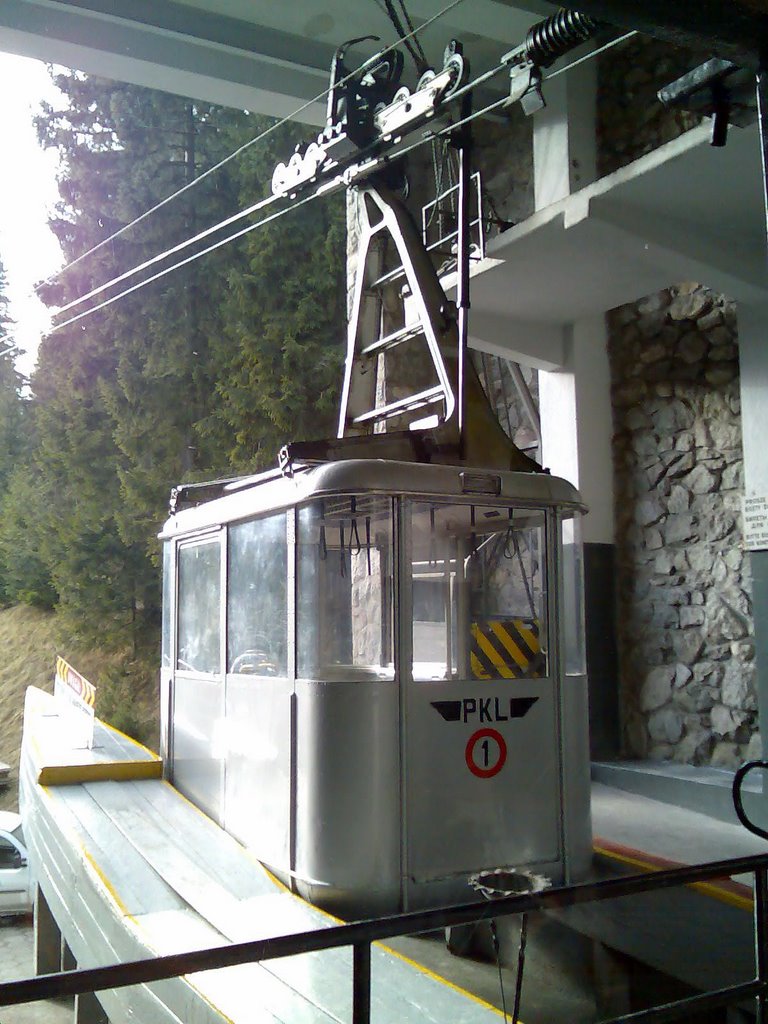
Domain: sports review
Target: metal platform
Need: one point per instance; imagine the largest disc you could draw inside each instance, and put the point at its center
(701, 934)
(129, 868)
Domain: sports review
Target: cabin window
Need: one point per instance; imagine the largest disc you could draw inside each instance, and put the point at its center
(257, 616)
(477, 591)
(167, 610)
(344, 607)
(199, 645)
(575, 658)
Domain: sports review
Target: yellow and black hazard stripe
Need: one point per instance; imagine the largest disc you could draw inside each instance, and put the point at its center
(85, 690)
(506, 649)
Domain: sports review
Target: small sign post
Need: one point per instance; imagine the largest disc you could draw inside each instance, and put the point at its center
(76, 698)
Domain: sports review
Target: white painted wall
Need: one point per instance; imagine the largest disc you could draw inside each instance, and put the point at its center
(753, 359)
(577, 426)
(564, 138)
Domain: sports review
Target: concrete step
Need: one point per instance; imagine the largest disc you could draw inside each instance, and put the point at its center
(705, 790)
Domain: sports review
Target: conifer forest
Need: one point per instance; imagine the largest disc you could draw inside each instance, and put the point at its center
(204, 373)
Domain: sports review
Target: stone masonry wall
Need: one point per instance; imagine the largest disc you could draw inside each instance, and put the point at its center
(685, 619)
(496, 377)
(630, 119)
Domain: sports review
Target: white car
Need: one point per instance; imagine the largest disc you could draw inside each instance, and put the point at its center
(16, 886)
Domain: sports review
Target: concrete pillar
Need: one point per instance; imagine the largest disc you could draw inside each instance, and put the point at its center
(611, 980)
(594, 425)
(88, 1010)
(576, 427)
(564, 140)
(557, 409)
(68, 961)
(47, 937)
(753, 358)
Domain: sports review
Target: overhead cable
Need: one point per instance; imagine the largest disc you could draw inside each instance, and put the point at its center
(263, 203)
(184, 262)
(241, 149)
(207, 232)
(415, 49)
(244, 231)
(592, 54)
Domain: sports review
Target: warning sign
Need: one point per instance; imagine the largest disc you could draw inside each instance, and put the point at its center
(76, 698)
(755, 517)
(507, 649)
(486, 753)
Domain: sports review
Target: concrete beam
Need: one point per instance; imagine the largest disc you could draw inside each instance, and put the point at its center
(47, 937)
(533, 344)
(753, 359)
(270, 59)
(176, 48)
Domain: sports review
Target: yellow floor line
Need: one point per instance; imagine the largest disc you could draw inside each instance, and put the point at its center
(711, 889)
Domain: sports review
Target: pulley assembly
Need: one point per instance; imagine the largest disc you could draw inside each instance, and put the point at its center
(371, 118)
(371, 111)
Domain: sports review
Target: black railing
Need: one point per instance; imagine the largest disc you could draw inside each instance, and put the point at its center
(361, 934)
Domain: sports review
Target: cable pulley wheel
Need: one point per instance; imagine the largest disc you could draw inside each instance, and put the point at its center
(456, 65)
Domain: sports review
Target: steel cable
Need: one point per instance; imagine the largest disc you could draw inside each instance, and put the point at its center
(268, 200)
(184, 262)
(258, 138)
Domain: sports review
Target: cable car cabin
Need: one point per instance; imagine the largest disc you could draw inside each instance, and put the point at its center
(373, 677)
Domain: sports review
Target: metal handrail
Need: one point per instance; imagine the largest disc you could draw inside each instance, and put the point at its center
(361, 934)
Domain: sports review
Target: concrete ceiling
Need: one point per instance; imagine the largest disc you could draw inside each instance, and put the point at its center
(686, 212)
(272, 57)
(256, 55)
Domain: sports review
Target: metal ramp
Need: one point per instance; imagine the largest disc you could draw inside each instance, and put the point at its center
(129, 868)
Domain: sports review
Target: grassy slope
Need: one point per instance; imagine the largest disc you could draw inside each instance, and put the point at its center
(29, 642)
(28, 653)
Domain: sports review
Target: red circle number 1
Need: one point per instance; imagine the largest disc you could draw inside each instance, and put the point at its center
(486, 753)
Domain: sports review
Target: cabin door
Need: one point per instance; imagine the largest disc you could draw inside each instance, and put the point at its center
(197, 719)
(259, 688)
(481, 759)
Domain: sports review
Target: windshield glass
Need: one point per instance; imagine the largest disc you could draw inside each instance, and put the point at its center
(478, 591)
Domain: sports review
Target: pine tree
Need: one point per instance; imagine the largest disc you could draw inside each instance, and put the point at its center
(19, 564)
(284, 316)
(11, 400)
(209, 369)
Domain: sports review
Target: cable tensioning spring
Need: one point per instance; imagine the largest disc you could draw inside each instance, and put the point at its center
(555, 36)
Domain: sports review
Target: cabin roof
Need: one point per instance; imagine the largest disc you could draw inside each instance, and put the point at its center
(251, 496)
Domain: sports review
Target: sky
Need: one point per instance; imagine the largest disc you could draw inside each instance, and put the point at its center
(28, 250)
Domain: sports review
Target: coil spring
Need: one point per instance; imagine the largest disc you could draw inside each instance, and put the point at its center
(557, 35)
